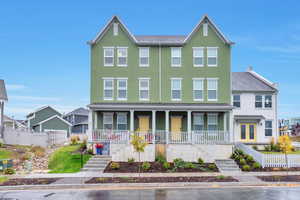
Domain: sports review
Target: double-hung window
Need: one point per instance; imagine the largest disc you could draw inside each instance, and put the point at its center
(212, 56)
(263, 101)
(212, 89)
(212, 122)
(108, 56)
(144, 56)
(108, 90)
(268, 101)
(237, 100)
(268, 128)
(144, 84)
(122, 56)
(198, 55)
(198, 89)
(176, 89)
(122, 121)
(108, 121)
(258, 101)
(198, 121)
(176, 56)
(122, 88)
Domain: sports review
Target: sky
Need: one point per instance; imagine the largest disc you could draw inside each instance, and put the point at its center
(44, 58)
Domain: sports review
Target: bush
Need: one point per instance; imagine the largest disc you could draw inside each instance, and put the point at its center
(178, 163)
(9, 171)
(239, 152)
(114, 165)
(38, 151)
(200, 161)
(212, 167)
(74, 139)
(246, 168)
(90, 151)
(1, 145)
(256, 165)
(242, 161)
(249, 158)
(267, 148)
(130, 160)
(146, 166)
(233, 155)
(25, 156)
(166, 165)
(160, 158)
(255, 147)
(189, 165)
(221, 177)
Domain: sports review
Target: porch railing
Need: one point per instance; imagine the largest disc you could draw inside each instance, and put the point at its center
(163, 137)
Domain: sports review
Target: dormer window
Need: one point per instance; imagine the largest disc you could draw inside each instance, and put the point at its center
(205, 29)
(116, 29)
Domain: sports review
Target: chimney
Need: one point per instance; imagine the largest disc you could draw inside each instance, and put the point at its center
(250, 68)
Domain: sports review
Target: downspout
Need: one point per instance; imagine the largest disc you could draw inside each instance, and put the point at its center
(159, 60)
(276, 117)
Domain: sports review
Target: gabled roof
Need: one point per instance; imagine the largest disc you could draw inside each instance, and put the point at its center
(41, 108)
(79, 111)
(250, 81)
(3, 94)
(54, 116)
(8, 119)
(161, 39)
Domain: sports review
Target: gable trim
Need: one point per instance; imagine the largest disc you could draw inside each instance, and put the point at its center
(54, 116)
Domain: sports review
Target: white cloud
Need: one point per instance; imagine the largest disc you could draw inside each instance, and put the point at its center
(13, 87)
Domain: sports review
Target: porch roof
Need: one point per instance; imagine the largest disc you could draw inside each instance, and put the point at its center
(248, 117)
(161, 106)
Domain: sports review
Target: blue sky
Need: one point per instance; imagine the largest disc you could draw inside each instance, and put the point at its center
(44, 58)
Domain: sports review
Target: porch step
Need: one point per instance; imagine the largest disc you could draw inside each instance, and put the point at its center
(96, 163)
(227, 165)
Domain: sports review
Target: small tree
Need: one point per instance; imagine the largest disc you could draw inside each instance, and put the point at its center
(139, 144)
(285, 144)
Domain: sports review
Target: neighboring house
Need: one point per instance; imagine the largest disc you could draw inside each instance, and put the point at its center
(255, 108)
(13, 124)
(173, 90)
(3, 98)
(79, 120)
(291, 122)
(47, 119)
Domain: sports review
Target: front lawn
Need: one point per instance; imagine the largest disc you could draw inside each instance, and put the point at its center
(67, 159)
(5, 154)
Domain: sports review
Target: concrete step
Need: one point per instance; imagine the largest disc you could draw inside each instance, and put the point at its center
(100, 159)
(92, 169)
(95, 165)
(227, 165)
(97, 162)
(101, 156)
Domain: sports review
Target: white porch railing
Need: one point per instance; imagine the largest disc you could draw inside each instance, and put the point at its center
(270, 160)
(211, 137)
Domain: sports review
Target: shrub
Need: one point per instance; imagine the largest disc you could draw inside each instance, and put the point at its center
(1, 145)
(200, 161)
(267, 148)
(249, 158)
(9, 171)
(239, 152)
(74, 139)
(242, 161)
(212, 167)
(178, 163)
(256, 165)
(114, 165)
(189, 165)
(246, 168)
(38, 151)
(233, 155)
(90, 151)
(130, 160)
(275, 147)
(255, 147)
(160, 158)
(221, 177)
(146, 166)
(166, 165)
(25, 156)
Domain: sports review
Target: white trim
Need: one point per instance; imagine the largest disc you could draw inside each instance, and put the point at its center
(118, 87)
(144, 89)
(176, 65)
(263, 79)
(205, 29)
(198, 48)
(148, 56)
(217, 83)
(111, 88)
(176, 99)
(113, 56)
(198, 79)
(272, 123)
(55, 116)
(126, 50)
(212, 48)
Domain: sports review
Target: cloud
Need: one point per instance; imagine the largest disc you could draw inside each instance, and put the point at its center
(33, 98)
(14, 87)
(281, 49)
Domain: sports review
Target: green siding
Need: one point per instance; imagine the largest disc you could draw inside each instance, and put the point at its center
(55, 124)
(43, 115)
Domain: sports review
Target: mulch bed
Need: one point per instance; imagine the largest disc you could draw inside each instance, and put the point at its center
(288, 178)
(29, 181)
(160, 179)
(157, 167)
(275, 169)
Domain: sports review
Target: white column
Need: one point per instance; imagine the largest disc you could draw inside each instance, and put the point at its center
(231, 129)
(225, 121)
(95, 120)
(90, 126)
(131, 121)
(153, 125)
(167, 126)
(189, 125)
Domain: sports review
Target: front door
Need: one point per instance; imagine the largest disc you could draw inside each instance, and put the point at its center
(143, 124)
(176, 122)
(248, 132)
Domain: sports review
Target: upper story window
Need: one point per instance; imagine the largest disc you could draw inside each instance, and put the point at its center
(268, 101)
(212, 89)
(108, 121)
(198, 55)
(144, 89)
(212, 122)
(176, 56)
(212, 56)
(144, 56)
(122, 56)
(258, 101)
(176, 89)
(108, 92)
(122, 89)
(237, 100)
(108, 56)
(263, 101)
(122, 121)
(268, 128)
(198, 89)
(198, 122)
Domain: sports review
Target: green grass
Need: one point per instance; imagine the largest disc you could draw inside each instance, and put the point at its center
(4, 154)
(63, 161)
(271, 152)
(3, 179)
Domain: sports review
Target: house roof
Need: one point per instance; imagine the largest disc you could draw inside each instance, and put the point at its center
(8, 119)
(3, 94)
(250, 81)
(161, 39)
(50, 118)
(79, 111)
(85, 121)
(41, 108)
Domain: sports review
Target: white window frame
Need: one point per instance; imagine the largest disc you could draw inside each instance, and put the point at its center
(236, 101)
(118, 122)
(202, 89)
(208, 88)
(172, 56)
(205, 29)
(111, 115)
(122, 88)
(194, 56)
(126, 50)
(108, 88)
(209, 122)
(104, 56)
(201, 123)
(269, 128)
(264, 101)
(212, 48)
(140, 56)
(116, 28)
(144, 88)
(174, 79)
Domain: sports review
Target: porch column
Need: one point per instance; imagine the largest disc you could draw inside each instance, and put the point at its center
(225, 128)
(90, 126)
(189, 125)
(231, 131)
(153, 125)
(96, 120)
(167, 126)
(131, 121)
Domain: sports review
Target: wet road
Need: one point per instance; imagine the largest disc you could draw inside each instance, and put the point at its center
(258, 193)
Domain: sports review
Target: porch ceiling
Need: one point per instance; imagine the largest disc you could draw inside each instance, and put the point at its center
(161, 106)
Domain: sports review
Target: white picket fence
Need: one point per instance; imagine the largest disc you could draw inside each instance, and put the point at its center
(270, 160)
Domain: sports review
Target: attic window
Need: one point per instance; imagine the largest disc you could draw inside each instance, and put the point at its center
(205, 29)
(116, 27)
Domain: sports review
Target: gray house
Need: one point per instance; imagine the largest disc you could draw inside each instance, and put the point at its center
(3, 98)
(79, 120)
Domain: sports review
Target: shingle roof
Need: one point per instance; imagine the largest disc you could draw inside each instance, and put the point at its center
(246, 81)
(79, 111)
(160, 39)
(3, 94)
